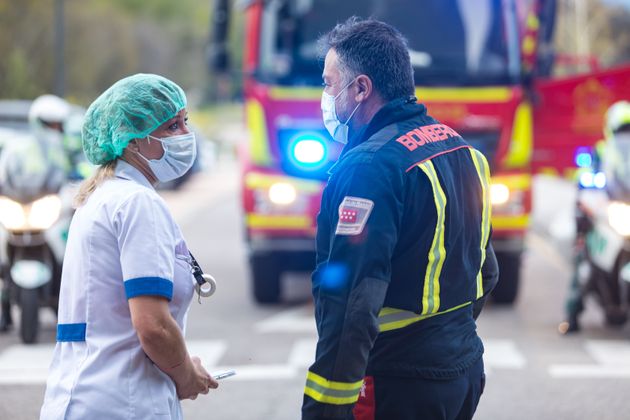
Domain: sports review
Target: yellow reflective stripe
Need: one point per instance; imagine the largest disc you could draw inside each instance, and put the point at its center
(262, 221)
(258, 135)
(483, 170)
(520, 151)
(331, 392)
(451, 95)
(467, 95)
(519, 222)
(292, 93)
(437, 253)
(393, 319)
(514, 182)
(259, 180)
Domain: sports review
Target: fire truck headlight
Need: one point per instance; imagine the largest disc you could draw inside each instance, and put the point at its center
(619, 217)
(309, 151)
(282, 193)
(499, 194)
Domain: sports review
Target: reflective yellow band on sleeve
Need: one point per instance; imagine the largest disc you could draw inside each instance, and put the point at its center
(393, 319)
(437, 253)
(483, 170)
(331, 392)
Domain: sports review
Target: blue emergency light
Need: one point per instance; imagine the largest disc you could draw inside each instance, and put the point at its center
(308, 151)
(583, 157)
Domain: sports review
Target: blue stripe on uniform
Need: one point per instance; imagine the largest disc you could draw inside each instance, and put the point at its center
(149, 286)
(71, 332)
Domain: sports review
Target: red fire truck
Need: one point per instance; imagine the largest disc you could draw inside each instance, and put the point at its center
(481, 67)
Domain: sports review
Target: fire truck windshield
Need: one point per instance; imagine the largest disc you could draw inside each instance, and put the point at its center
(451, 42)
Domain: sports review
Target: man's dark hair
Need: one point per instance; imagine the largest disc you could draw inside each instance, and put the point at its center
(375, 49)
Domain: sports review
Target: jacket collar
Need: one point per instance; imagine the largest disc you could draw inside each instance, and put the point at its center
(397, 110)
(126, 171)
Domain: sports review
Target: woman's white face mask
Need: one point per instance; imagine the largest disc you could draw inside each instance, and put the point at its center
(179, 155)
(337, 129)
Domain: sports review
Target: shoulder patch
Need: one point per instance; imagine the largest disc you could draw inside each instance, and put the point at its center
(353, 215)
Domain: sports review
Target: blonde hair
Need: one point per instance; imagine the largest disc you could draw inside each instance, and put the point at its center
(103, 173)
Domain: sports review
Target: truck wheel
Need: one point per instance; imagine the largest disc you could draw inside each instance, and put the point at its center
(29, 305)
(265, 272)
(506, 289)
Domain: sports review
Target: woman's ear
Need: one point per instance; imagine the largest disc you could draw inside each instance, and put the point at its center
(133, 145)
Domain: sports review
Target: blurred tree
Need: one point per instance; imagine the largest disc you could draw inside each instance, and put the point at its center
(592, 29)
(105, 40)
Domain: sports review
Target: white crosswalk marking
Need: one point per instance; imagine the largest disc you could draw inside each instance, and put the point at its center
(22, 364)
(290, 321)
(303, 353)
(25, 365)
(263, 372)
(612, 359)
(209, 351)
(502, 354)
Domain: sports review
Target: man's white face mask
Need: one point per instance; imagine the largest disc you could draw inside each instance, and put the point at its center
(337, 129)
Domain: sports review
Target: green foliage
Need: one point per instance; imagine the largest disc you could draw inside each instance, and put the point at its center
(18, 77)
(105, 40)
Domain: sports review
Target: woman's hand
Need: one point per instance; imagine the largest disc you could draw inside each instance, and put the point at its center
(195, 381)
(162, 341)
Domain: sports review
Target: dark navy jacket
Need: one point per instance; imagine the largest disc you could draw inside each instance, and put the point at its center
(403, 235)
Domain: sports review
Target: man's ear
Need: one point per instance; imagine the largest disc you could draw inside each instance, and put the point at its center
(364, 88)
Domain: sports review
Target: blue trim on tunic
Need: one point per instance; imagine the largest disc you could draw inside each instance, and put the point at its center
(71, 332)
(149, 286)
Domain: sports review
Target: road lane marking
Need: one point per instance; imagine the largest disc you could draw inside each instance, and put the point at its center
(303, 352)
(28, 364)
(263, 372)
(25, 365)
(289, 321)
(612, 360)
(209, 351)
(502, 354)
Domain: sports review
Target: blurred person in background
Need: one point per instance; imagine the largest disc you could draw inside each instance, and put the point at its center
(58, 124)
(404, 260)
(47, 117)
(127, 283)
(610, 157)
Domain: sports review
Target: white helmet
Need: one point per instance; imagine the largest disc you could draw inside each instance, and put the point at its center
(48, 109)
(617, 116)
(616, 158)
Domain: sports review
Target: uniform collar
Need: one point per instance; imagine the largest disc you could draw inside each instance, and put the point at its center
(397, 110)
(126, 171)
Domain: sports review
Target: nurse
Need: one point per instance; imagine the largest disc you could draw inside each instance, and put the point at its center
(127, 284)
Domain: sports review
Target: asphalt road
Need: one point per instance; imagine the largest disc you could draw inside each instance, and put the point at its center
(533, 372)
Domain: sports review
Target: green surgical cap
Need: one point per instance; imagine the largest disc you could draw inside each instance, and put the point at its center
(132, 108)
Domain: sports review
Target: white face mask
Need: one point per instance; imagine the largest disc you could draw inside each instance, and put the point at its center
(179, 156)
(337, 129)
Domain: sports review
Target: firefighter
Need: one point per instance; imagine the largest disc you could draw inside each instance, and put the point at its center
(404, 261)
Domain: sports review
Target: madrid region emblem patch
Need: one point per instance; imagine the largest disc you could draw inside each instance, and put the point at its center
(353, 215)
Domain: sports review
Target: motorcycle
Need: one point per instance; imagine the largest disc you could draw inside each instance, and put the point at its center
(603, 260)
(35, 213)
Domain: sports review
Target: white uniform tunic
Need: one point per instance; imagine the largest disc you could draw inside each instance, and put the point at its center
(123, 243)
